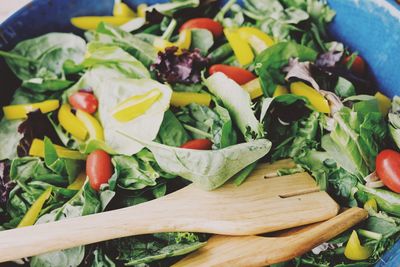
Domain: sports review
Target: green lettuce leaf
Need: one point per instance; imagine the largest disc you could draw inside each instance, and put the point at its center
(208, 169)
(238, 103)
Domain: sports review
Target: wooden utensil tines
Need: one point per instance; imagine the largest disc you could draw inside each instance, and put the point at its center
(255, 251)
(260, 205)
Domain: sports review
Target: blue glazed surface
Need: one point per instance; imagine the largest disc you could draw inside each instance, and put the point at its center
(371, 27)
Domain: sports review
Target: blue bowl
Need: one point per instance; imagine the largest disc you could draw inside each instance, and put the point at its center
(371, 27)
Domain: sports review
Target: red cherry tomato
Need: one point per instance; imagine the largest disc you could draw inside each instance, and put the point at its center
(358, 66)
(199, 144)
(204, 23)
(239, 75)
(99, 168)
(388, 169)
(84, 101)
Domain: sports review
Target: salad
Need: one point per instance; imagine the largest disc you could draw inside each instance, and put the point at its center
(153, 99)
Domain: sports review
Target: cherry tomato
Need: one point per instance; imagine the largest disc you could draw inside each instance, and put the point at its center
(388, 169)
(358, 66)
(239, 75)
(99, 168)
(204, 23)
(199, 144)
(84, 101)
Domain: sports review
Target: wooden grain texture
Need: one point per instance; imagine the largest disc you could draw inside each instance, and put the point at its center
(255, 251)
(260, 205)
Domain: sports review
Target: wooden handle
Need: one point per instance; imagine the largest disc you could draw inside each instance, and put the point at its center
(260, 251)
(42, 238)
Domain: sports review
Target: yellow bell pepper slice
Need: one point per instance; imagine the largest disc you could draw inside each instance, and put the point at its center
(160, 44)
(253, 88)
(122, 10)
(257, 39)
(37, 150)
(71, 123)
(141, 10)
(185, 39)
(14, 112)
(79, 182)
(183, 42)
(93, 126)
(90, 23)
(136, 105)
(181, 99)
(384, 103)
(33, 213)
(240, 47)
(354, 250)
(280, 90)
(319, 103)
(371, 205)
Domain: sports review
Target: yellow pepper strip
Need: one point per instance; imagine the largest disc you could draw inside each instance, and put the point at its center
(319, 103)
(181, 99)
(136, 105)
(79, 182)
(253, 88)
(90, 23)
(185, 39)
(240, 47)
(257, 39)
(371, 205)
(280, 90)
(91, 124)
(14, 112)
(141, 10)
(183, 42)
(33, 213)
(37, 150)
(354, 250)
(122, 10)
(160, 44)
(384, 103)
(71, 123)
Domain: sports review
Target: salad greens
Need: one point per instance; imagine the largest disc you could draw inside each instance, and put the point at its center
(143, 100)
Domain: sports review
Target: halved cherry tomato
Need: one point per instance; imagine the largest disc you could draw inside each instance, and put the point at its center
(204, 23)
(358, 66)
(199, 144)
(388, 169)
(84, 101)
(99, 168)
(239, 75)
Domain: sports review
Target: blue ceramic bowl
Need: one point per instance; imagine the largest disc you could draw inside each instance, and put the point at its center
(371, 27)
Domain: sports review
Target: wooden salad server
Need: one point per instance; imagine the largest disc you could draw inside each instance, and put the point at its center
(259, 205)
(255, 251)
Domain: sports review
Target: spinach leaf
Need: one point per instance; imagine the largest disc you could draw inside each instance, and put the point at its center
(303, 137)
(172, 133)
(134, 251)
(356, 139)
(85, 202)
(141, 50)
(238, 102)
(9, 138)
(43, 57)
(135, 173)
(270, 62)
(115, 58)
(207, 169)
(202, 39)
(170, 8)
(203, 122)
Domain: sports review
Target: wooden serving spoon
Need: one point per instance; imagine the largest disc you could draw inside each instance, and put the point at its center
(260, 205)
(249, 251)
